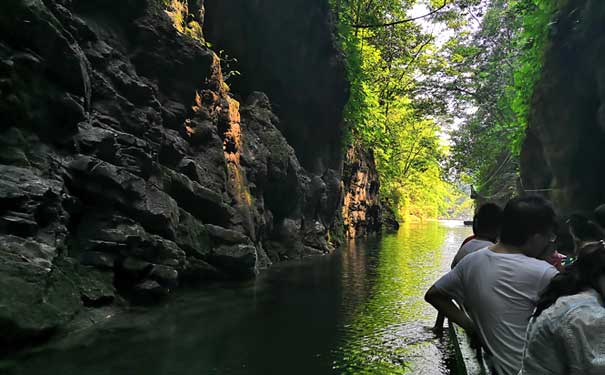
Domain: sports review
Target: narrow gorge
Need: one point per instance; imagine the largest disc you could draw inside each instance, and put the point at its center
(186, 177)
(131, 166)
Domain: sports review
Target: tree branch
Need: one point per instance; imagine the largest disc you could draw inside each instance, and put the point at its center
(373, 26)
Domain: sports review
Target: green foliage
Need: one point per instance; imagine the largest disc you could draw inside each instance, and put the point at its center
(491, 86)
(405, 81)
(384, 114)
(536, 16)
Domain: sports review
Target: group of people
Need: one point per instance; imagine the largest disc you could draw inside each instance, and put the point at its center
(533, 309)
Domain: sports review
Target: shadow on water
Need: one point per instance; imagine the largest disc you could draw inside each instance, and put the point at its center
(358, 311)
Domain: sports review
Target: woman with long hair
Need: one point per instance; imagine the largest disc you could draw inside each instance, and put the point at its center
(566, 334)
(583, 231)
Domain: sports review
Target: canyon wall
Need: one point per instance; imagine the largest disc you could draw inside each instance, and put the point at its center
(562, 155)
(130, 167)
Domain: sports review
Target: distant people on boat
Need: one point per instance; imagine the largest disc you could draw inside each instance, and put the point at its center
(486, 229)
(567, 332)
(499, 285)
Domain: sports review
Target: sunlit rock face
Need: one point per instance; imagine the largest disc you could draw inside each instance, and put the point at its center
(362, 211)
(129, 168)
(286, 49)
(563, 152)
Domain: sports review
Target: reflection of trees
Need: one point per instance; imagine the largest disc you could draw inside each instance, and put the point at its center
(378, 338)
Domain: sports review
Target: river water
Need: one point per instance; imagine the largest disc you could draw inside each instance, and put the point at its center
(357, 311)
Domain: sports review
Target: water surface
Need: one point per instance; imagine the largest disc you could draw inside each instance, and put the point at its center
(357, 311)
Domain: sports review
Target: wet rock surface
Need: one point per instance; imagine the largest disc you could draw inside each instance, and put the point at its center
(128, 168)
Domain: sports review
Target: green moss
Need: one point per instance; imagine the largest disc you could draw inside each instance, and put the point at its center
(178, 11)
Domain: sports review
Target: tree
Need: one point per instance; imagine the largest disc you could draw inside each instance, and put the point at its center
(488, 77)
(386, 52)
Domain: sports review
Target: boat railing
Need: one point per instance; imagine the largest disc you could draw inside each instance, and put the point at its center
(468, 360)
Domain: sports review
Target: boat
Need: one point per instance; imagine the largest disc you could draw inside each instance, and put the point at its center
(468, 361)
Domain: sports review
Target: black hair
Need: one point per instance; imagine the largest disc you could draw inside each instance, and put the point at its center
(582, 274)
(599, 215)
(488, 219)
(525, 216)
(584, 229)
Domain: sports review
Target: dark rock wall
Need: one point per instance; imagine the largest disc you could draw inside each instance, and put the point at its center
(282, 50)
(290, 35)
(128, 167)
(563, 151)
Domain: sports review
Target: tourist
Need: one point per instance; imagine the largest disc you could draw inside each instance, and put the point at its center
(556, 259)
(499, 285)
(599, 215)
(486, 228)
(583, 231)
(567, 332)
(551, 253)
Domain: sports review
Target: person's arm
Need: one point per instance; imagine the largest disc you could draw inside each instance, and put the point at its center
(438, 327)
(444, 304)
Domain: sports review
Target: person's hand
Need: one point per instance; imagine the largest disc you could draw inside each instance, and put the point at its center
(438, 331)
(473, 335)
(474, 340)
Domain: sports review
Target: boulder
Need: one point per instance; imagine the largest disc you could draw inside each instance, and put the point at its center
(203, 203)
(192, 235)
(149, 291)
(221, 235)
(196, 270)
(47, 298)
(165, 275)
(238, 260)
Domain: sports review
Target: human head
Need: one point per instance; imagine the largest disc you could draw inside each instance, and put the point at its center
(528, 222)
(599, 215)
(587, 272)
(583, 230)
(487, 221)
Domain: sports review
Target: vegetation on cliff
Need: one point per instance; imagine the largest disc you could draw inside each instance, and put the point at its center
(386, 111)
(421, 69)
(498, 67)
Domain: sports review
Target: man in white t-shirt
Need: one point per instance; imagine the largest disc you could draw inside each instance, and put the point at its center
(499, 285)
(486, 229)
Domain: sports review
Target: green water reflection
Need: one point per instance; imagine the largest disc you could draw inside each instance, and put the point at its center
(387, 334)
(358, 311)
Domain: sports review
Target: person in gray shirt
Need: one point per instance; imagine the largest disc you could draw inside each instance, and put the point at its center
(499, 285)
(486, 229)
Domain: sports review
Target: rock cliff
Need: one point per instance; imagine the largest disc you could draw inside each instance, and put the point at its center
(363, 213)
(562, 155)
(129, 168)
(305, 77)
